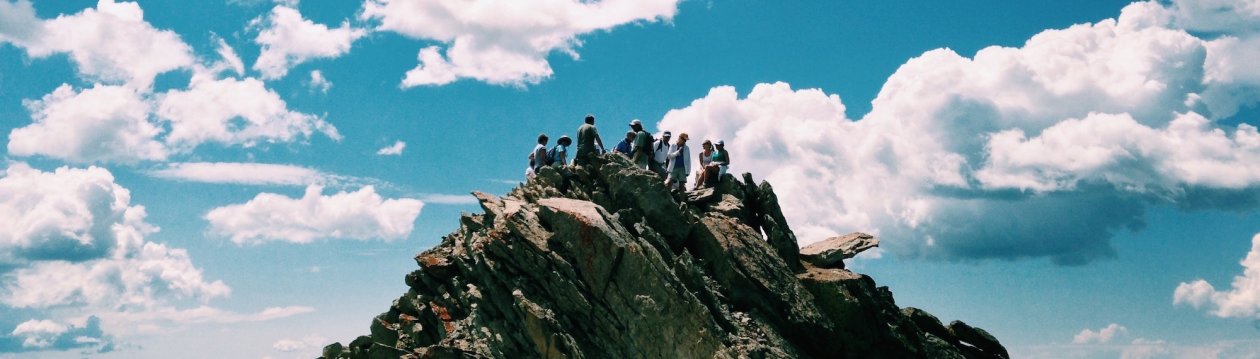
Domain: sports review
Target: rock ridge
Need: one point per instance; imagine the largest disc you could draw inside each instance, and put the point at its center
(603, 261)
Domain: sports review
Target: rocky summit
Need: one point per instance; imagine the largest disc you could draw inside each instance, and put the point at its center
(602, 261)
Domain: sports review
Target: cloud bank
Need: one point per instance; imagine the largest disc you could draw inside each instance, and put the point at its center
(502, 41)
(1046, 150)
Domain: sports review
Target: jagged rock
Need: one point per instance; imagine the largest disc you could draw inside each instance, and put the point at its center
(832, 252)
(929, 324)
(978, 338)
(603, 261)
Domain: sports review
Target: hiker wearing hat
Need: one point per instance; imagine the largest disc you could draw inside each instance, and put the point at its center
(679, 165)
(721, 160)
(625, 145)
(588, 140)
(642, 146)
(559, 155)
(660, 154)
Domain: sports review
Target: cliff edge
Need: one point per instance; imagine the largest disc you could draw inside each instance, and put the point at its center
(602, 261)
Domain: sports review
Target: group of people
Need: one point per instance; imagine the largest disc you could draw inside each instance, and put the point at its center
(660, 156)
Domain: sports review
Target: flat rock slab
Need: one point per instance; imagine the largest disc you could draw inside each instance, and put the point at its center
(832, 252)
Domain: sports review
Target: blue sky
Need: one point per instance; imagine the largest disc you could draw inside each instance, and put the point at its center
(251, 178)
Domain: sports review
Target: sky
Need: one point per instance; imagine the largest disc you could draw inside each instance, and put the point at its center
(251, 178)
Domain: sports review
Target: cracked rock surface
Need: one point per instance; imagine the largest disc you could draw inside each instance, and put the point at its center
(602, 261)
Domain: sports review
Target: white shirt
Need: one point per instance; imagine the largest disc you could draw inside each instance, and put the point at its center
(660, 152)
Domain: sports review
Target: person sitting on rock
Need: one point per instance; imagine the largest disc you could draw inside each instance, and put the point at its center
(624, 147)
(679, 164)
(721, 160)
(589, 144)
(706, 157)
(538, 158)
(559, 155)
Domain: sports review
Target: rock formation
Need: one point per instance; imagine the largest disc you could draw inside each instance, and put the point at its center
(603, 261)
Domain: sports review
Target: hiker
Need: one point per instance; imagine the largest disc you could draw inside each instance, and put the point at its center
(660, 154)
(588, 140)
(538, 158)
(529, 171)
(559, 155)
(624, 147)
(642, 147)
(679, 165)
(706, 157)
(721, 160)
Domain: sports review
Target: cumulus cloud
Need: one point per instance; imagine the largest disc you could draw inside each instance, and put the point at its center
(50, 335)
(1241, 300)
(319, 82)
(359, 215)
(1102, 336)
(242, 173)
(122, 120)
(392, 150)
(287, 40)
(1046, 150)
(76, 259)
(111, 42)
(100, 124)
(233, 112)
(502, 42)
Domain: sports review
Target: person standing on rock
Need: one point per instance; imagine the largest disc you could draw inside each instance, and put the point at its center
(538, 158)
(588, 140)
(642, 147)
(706, 157)
(660, 154)
(679, 166)
(625, 146)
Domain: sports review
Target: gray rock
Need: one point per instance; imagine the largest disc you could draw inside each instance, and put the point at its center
(832, 252)
(978, 338)
(602, 261)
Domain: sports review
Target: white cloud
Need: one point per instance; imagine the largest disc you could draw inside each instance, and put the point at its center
(75, 247)
(233, 112)
(437, 198)
(360, 215)
(1102, 336)
(288, 40)
(1045, 150)
(305, 343)
(111, 42)
(1241, 300)
(392, 150)
(100, 124)
(122, 120)
(242, 173)
(318, 81)
(502, 41)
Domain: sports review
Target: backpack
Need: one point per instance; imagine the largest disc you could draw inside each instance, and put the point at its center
(551, 156)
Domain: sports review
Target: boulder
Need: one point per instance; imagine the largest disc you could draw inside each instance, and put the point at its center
(978, 338)
(832, 252)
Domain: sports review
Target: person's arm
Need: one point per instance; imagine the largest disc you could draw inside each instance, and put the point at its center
(600, 142)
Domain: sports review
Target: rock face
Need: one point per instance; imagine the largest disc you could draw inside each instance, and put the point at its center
(603, 261)
(831, 252)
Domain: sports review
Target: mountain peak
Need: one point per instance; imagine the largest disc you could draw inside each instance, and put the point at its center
(604, 261)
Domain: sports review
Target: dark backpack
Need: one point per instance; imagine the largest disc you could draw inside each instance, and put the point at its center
(551, 156)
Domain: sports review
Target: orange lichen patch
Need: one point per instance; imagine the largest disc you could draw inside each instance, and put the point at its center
(443, 315)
